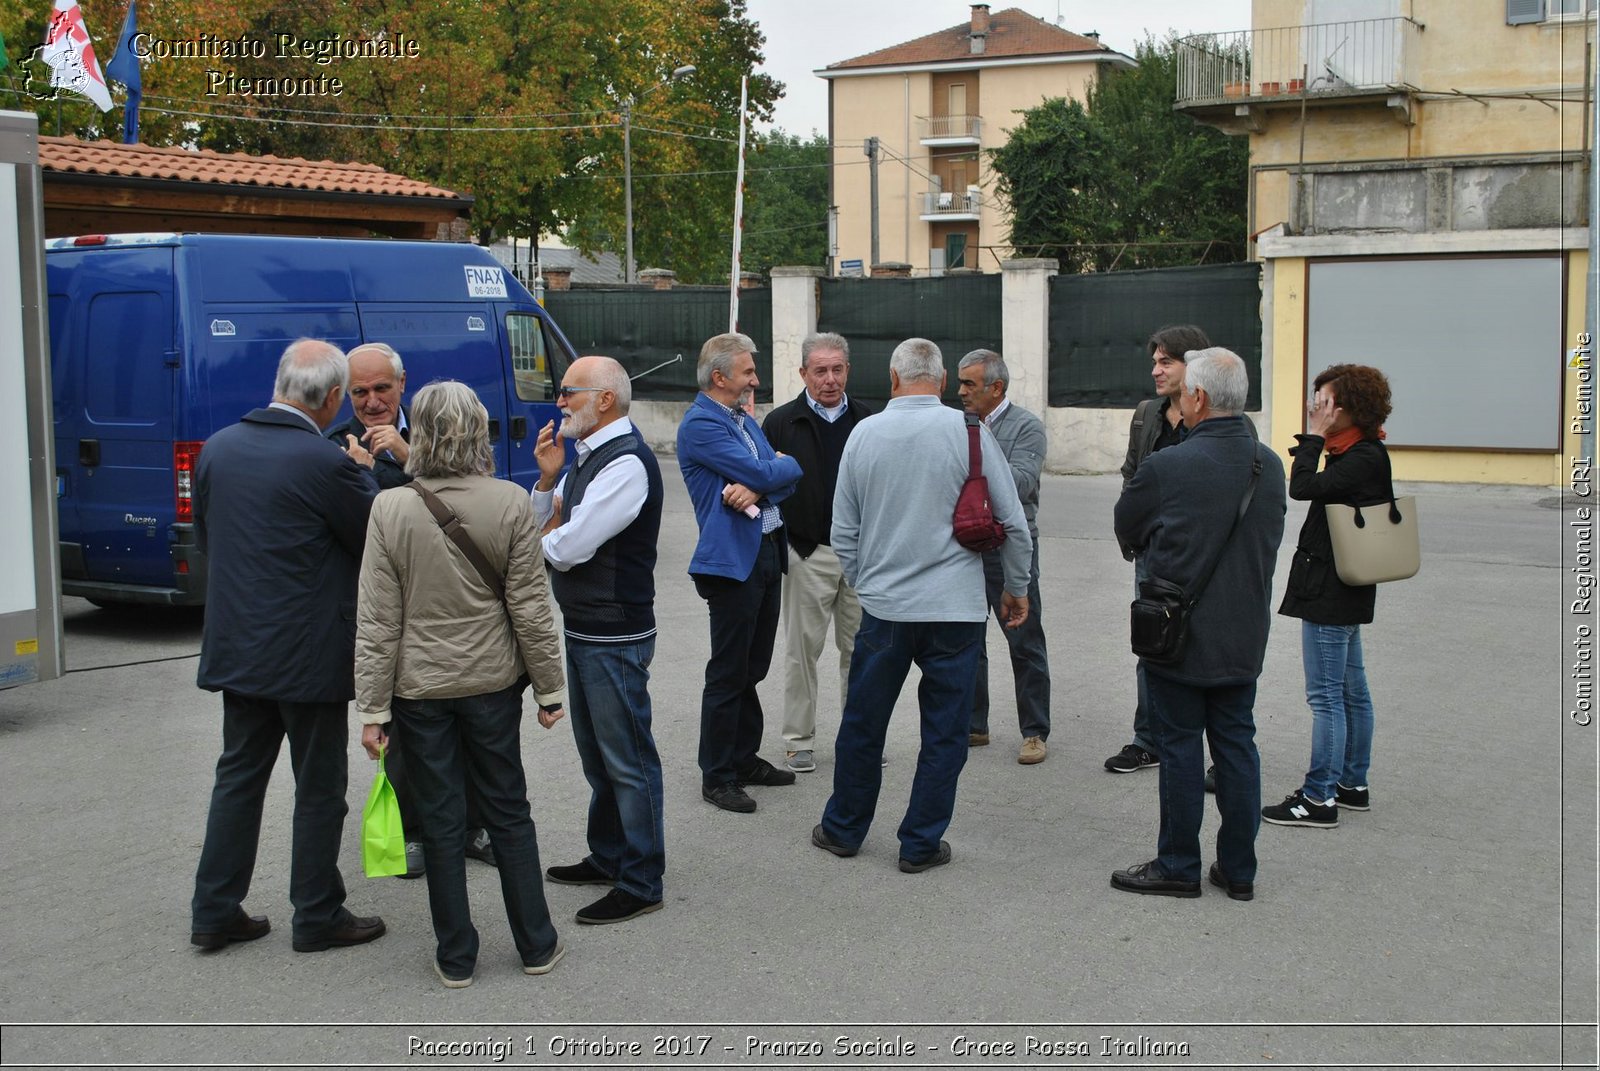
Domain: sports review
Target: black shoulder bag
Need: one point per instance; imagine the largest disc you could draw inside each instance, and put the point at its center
(1159, 617)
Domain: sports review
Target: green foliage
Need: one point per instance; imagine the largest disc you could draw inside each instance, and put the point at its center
(557, 73)
(786, 202)
(1125, 181)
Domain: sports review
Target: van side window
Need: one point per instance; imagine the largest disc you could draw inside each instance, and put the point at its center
(530, 359)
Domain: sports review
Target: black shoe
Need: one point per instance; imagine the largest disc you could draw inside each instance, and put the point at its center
(762, 772)
(584, 873)
(939, 858)
(616, 906)
(1211, 778)
(349, 930)
(729, 797)
(1237, 890)
(820, 838)
(1132, 757)
(1150, 879)
(1296, 810)
(1352, 799)
(243, 928)
(479, 848)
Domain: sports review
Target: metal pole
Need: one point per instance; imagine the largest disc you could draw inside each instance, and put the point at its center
(871, 149)
(738, 212)
(627, 184)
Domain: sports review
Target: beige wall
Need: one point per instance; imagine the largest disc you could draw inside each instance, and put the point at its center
(889, 106)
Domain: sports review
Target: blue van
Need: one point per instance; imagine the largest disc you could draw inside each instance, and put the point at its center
(159, 340)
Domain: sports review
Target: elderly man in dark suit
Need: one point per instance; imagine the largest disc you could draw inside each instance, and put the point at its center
(1207, 515)
(281, 514)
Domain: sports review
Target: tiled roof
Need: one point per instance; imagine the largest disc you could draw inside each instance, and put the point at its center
(1012, 32)
(69, 155)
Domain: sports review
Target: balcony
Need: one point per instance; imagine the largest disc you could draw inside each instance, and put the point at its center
(943, 130)
(948, 206)
(1227, 79)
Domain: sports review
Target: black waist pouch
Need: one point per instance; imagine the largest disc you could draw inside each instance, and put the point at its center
(1159, 621)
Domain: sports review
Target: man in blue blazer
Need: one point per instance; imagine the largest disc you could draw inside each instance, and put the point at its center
(281, 514)
(735, 481)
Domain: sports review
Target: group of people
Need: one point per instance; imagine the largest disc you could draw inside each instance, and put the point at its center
(430, 605)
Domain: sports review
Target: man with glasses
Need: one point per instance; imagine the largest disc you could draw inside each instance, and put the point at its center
(602, 519)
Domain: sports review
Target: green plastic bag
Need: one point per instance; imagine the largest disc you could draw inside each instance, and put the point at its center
(383, 842)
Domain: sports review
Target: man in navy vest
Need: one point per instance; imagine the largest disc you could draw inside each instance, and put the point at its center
(601, 521)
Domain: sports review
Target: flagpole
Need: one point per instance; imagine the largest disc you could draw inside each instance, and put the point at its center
(738, 211)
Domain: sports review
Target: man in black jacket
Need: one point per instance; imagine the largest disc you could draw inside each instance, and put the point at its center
(813, 429)
(1180, 512)
(378, 421)
(281, 515)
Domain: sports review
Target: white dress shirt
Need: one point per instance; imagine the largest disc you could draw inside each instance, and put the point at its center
(611, 503)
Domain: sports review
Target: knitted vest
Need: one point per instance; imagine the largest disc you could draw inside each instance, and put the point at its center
(611, 597)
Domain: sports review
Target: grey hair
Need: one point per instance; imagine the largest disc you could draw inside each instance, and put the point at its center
(610, 375)
(396, 365)
(994, 369)
(308, 372)
(1222, 375)
(916, 360)
(823, 340)
(449, 432)
(717, 356)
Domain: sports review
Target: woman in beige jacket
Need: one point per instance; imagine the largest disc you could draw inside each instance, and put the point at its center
(439, 652)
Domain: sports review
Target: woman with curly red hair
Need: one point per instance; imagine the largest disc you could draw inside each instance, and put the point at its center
(1345, 422)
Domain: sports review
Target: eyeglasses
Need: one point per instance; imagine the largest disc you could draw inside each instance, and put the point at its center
(567, 392)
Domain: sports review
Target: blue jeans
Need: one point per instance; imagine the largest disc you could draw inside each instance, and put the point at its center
(947, 654)
(1030, 661)
(1181, 714)
(1341, 708)
(448, 743)
(252, 735)
(609, 702)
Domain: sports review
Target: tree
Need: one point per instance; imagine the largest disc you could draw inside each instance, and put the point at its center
(516, 103)
(1125, 181)
(786, 202)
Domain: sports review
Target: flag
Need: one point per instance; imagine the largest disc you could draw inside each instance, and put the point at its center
(70, 54)
(124, 67)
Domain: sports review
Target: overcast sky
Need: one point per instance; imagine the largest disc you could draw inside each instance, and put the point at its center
(803, 35)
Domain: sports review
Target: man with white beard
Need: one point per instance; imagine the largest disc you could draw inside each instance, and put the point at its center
(601, 521)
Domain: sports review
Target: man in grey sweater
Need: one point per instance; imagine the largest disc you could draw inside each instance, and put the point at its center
(922, 601)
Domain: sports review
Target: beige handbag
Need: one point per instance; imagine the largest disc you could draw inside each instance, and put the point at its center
(1376, 543)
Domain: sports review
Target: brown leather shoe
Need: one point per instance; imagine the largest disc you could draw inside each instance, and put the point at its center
(243, 928)
(349, 930)
(977, 739)
(1033, 751)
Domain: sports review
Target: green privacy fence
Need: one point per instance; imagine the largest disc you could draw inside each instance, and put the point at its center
(643, 328)
(1099, 324)
(957, 313)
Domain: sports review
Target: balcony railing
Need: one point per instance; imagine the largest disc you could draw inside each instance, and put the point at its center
(1328, 59)
(951, 203)
(952, 127)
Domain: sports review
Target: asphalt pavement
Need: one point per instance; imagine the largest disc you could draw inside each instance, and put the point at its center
(1452, 925)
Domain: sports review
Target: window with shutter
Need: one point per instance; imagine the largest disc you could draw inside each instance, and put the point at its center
(1523, 11)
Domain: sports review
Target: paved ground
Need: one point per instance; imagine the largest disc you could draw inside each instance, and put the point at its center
(1454, 924)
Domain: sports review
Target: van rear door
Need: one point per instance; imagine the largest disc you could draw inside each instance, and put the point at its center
(114, 419)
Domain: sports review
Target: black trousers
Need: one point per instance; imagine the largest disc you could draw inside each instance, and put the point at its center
(744, 626)
(252, 735)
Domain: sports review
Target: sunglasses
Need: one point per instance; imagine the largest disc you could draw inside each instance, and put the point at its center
(567, 392)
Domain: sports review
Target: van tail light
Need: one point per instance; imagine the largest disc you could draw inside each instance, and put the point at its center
(184, 458)
(89, 239)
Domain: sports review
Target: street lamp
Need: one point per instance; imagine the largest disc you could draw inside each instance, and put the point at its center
(627, 161)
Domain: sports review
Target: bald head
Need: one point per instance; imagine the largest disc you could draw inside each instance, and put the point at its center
(601, 395)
